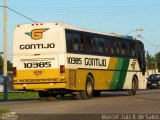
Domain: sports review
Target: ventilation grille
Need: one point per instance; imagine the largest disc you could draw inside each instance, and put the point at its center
(72, 78)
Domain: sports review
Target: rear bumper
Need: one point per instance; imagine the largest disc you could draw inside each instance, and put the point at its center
(39, 86)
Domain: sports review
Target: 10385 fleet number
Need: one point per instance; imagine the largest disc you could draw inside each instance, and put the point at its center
(37, 65)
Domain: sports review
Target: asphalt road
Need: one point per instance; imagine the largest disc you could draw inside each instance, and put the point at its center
(145, 101)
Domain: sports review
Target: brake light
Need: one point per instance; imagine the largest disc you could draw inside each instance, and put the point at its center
(62, 69)
(14, 71)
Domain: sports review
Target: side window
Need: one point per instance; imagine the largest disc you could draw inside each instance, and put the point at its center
(69, 41)
(95, 44)
(118, 47)
(88, 43)
(106, 46)
(125, 48)
(113, 47)
(101, 45)
(140, 54)
(132, 49)
(82, 44)
(73, 42)
(77, 42)
(128, 51)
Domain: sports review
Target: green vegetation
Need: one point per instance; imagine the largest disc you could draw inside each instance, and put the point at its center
(9, 64)
(158, 60)
(20, 95)
(3, 111)
(151, 61)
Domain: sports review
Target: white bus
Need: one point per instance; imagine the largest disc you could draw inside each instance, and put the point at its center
(56, 59)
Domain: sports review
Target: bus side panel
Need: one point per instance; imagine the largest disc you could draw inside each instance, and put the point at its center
(134, 69)
(117, 76)
(102, 79)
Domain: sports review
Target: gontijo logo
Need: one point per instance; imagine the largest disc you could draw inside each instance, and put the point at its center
(37, 34)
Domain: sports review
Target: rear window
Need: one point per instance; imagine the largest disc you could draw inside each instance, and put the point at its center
(154, 76)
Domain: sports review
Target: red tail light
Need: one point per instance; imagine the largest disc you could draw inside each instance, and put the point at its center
(62, 69)
(14, 71)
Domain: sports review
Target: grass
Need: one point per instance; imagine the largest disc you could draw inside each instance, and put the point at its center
(20, 95)
(3, 111)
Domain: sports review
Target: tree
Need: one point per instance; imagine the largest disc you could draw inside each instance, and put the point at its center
(1, 64)
(158, 60)
(9, 65)
(150, 61)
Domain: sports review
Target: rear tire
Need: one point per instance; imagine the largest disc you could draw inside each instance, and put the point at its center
(134, 89)
(88, 92)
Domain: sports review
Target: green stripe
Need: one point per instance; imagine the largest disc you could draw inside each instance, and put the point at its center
(123, 73)
(120, 73)
(116, 73)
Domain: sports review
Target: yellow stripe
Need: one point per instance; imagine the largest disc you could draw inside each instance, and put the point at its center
(112, 63)
(38, 74)
(109, 74)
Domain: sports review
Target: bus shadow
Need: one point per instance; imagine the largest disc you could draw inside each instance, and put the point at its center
(103, 95)
(114, 94)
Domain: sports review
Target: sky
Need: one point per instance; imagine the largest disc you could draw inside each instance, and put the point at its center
(112, 16)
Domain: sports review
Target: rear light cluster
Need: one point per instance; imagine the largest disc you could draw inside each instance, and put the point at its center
(14, 71)
(62, 69)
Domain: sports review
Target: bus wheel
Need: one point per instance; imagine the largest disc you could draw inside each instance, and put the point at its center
(96, 93)
(134, 86)
(42, 95)
(88, 92)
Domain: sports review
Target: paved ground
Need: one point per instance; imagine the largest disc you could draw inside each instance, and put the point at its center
(146, 101)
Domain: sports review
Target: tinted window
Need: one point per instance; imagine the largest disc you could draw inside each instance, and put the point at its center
(113, 47)
(95, 44)
(69, 40)
(101, 45)
(140, 55)
(76, 42)
(89, 43)
(125, 48)
(118, 47)
(106, 45)
(132, 49)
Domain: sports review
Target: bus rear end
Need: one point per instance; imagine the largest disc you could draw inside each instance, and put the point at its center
(38, 57)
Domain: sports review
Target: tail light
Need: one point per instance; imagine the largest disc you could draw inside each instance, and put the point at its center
(14, 71)
(62, 69)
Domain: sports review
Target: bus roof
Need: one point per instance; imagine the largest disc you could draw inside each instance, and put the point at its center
(71, 27)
